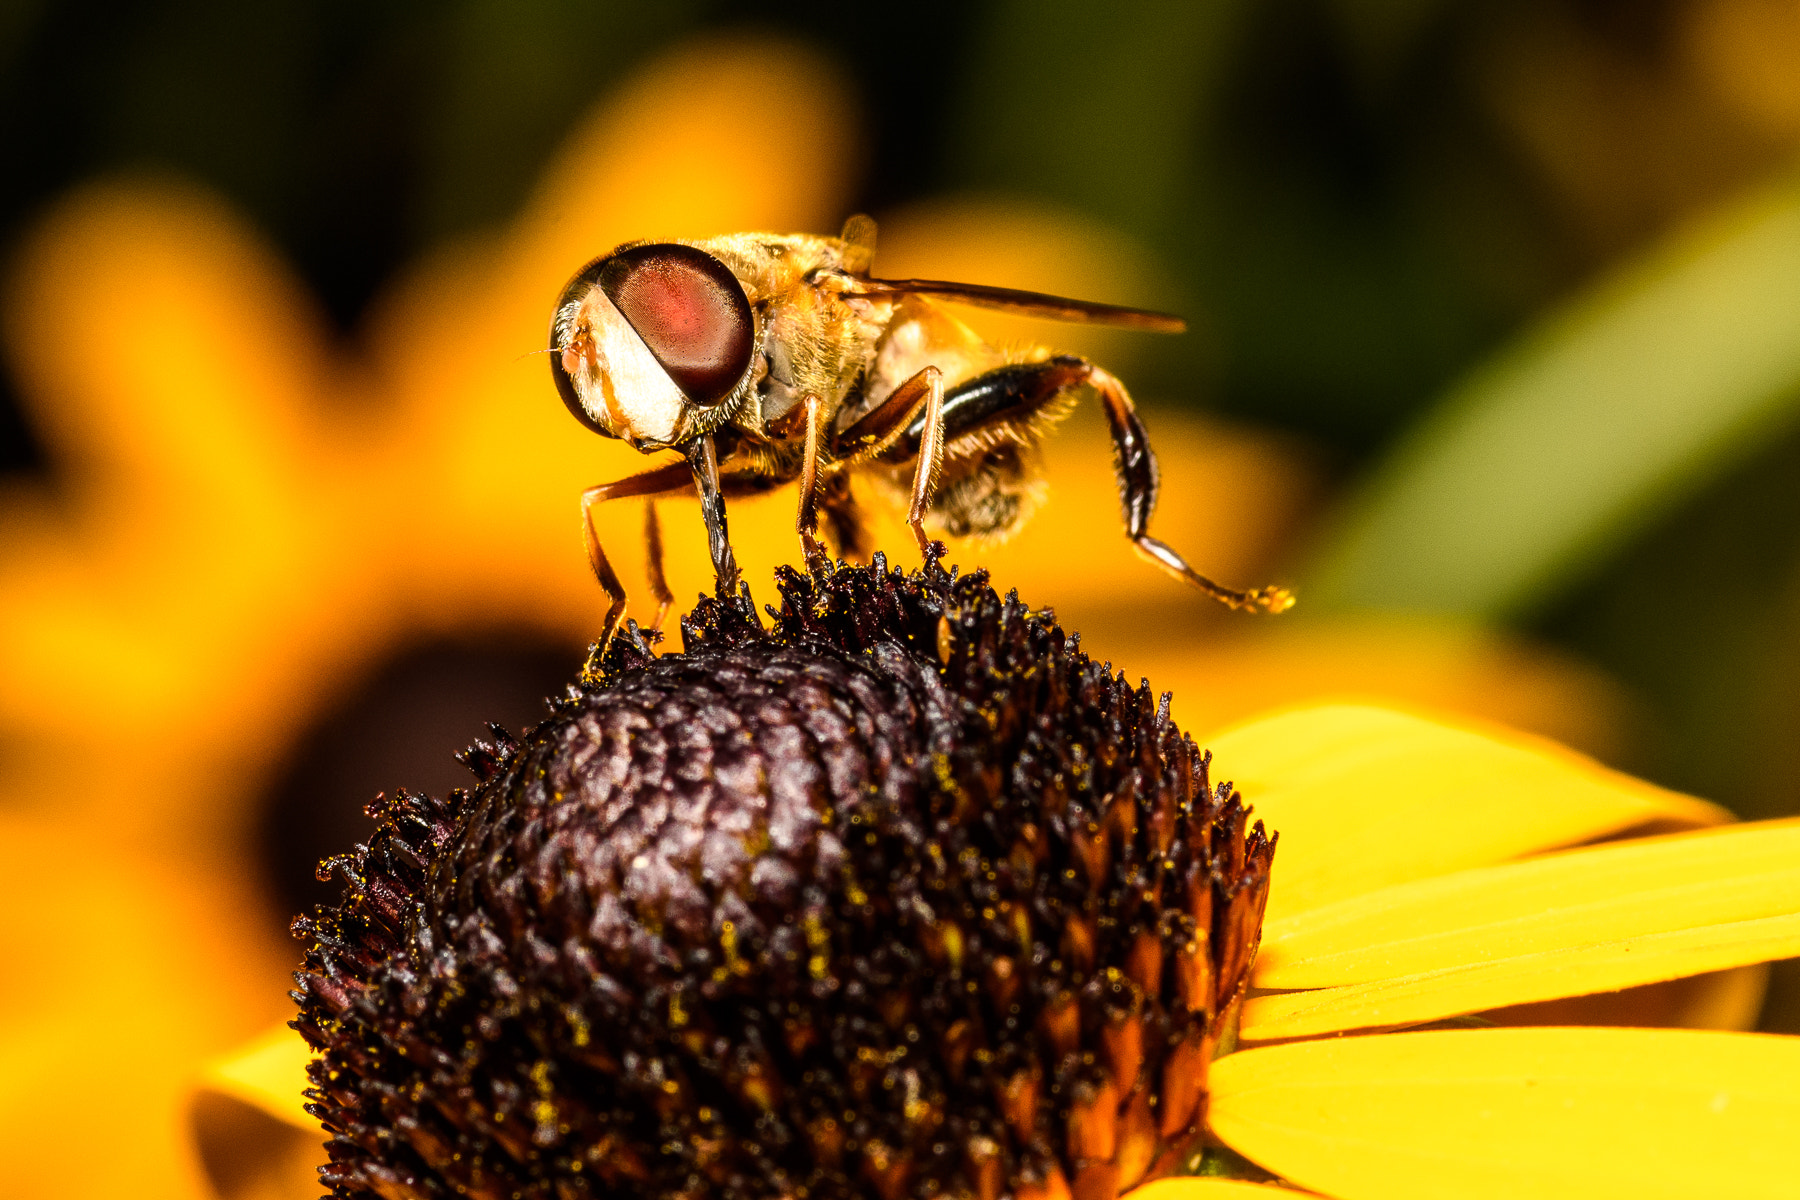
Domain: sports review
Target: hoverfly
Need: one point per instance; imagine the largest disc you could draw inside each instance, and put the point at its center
(764, 359)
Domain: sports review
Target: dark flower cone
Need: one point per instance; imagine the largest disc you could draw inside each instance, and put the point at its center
(904, 896)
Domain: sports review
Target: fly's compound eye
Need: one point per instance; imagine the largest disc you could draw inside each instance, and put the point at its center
(691, 312)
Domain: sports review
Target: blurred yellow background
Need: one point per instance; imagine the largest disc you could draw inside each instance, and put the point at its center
(1496, 356)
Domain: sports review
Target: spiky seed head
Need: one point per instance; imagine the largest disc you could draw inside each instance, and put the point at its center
(904, 896)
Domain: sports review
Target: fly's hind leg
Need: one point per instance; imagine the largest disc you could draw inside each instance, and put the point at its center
(1007, 398)
(1138, 478)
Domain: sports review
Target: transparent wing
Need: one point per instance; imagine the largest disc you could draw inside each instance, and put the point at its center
(1037, 304)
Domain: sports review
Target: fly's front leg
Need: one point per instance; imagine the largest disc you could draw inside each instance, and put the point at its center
(915, 407)
(609, 579)
(1138, 478)
(672, 477)
(703, 464)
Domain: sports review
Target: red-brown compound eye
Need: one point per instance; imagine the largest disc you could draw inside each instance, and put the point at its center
(691, 312)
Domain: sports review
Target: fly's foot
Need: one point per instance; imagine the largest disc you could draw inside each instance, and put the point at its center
(818, 563)
(627, 648)
(1271, 599)
(934, 552)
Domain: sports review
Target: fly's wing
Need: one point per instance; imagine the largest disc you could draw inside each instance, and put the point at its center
(1036, 304)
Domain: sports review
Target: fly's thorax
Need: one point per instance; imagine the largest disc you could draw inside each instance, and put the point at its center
(816, 344)
(772, 264)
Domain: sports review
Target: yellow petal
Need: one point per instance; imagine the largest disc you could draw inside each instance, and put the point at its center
(1195, 1187)
(1368, 797)
(1594, 894)
(269, 1073)
(1590, 920)
(255, 1140)
(122, 974)
(199, 385)
(1716, 1000)
(1568, 971)
(182, 429)
(1543, 1113)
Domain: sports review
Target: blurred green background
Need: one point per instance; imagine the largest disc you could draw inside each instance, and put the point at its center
(1525, 276)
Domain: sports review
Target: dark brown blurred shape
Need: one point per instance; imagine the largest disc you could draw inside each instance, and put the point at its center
(400, 727)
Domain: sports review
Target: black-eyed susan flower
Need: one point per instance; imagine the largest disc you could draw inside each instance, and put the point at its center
(908, 897)
(904, 896)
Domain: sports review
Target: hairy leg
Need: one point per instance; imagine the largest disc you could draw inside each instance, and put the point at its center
(703, 464)
(931, 457)
(1138, 478)
(671, 477)
(806, 521)
(653, 558)
(1008, 396)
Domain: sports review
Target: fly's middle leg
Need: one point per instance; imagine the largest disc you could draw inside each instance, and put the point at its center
(806, 521)
(918, 403)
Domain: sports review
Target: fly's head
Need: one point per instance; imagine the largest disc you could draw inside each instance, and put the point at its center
(653, 344)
